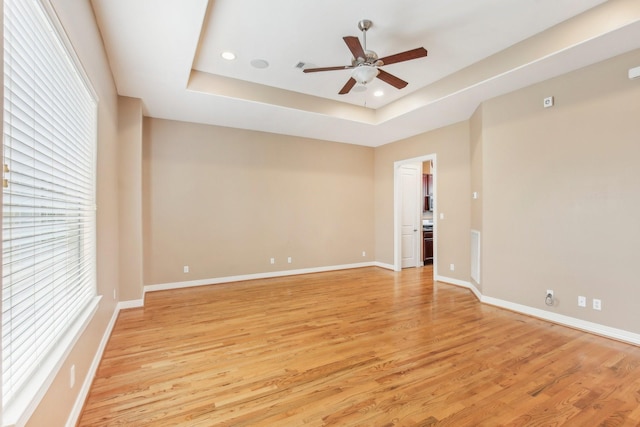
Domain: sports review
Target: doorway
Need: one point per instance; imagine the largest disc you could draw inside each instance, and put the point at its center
(406, 207)
(409, 176)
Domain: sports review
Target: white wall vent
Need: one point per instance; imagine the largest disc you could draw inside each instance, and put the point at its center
(475, 256)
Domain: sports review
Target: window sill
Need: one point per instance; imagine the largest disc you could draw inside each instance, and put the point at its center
(24, 403)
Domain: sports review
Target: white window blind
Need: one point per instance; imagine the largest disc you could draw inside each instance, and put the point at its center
(48, 229)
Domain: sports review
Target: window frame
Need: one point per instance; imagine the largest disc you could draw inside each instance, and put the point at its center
(21, 405)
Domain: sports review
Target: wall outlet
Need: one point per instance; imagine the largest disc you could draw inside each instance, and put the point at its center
(364, 253)
(548, 298)
(452, 267)
(582, 301)
(289, 260)
(185, 269)
(441, 215)
(72, 376)
(273, 260)
(597, 304)
(115, 296)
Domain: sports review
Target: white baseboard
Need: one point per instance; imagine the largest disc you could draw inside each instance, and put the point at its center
(241, 278)
(134, 303)
(583, 325)
(461, 283)
(453, 281)
(74, 415)
(385, 266)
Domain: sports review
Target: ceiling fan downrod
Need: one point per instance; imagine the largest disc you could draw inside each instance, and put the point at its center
(363, 26)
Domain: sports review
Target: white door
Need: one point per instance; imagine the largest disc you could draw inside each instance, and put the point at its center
(410, 181)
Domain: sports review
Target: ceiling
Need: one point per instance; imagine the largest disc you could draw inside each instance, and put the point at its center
(168, 54)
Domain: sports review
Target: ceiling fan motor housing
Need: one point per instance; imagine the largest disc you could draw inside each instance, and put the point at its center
(371, 59)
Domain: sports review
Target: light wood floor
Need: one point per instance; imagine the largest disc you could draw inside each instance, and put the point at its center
(364, 347)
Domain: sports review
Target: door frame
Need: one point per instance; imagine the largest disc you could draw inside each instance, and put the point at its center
(397, 210)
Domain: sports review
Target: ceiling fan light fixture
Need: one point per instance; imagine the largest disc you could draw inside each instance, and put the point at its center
(364, 74)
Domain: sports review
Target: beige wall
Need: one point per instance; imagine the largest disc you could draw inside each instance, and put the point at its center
(451, 146)
(130, 198)
(78, 20)
(562, 194)
(477, 151)
(224, 201)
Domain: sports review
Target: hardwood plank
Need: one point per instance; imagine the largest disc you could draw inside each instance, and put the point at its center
(357, 347)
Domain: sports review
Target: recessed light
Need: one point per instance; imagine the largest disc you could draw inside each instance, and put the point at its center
(259, 63)
(378, 93)
(229, 56)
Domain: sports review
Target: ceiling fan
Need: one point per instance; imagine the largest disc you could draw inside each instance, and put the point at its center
(366, 64)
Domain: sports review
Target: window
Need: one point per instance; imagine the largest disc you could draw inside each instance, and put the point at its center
(48, 230)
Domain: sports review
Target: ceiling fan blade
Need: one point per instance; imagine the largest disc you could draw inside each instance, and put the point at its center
(353, 43)
(391, 79)
(405, 56)
(347, 87)
(315, 70)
